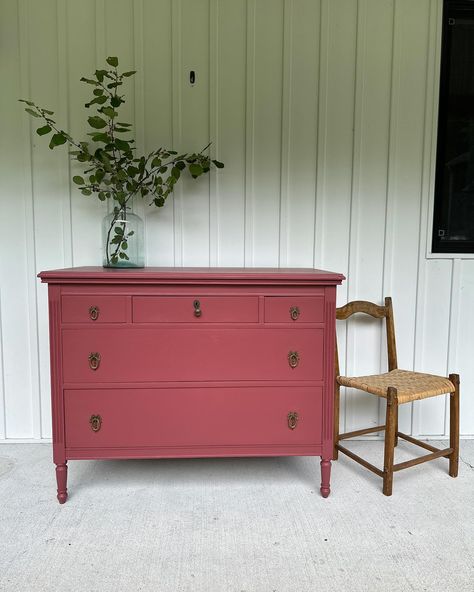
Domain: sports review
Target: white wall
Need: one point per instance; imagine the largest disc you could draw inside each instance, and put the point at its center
(324, 113)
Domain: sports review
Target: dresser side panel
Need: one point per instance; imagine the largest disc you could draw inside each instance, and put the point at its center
(329, 345)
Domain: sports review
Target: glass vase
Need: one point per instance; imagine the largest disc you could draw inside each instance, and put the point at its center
(122, 238)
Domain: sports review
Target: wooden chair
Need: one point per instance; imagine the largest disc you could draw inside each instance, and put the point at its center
(397, 387)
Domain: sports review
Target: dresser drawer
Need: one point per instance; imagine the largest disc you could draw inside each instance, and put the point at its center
(192, 354)
(294, 309)
(100, 308)
(193, 416)
(195, 309)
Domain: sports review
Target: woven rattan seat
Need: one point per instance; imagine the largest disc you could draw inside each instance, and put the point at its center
(411, 386)
(396, 387)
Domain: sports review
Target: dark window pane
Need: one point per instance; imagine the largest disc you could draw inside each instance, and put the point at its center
(453, 229)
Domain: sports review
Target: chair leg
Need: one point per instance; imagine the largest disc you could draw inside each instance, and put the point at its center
(395, 440)
(454, 426)
(390, 423)
(337, 396)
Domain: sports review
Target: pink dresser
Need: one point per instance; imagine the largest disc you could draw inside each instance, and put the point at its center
(191, 362)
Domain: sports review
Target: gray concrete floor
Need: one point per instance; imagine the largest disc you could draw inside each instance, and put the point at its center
(234, 525)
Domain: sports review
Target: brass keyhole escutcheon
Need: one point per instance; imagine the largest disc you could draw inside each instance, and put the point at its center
(293, 359)
(294, 312)
(197, 308)
(292, 419)
(94, 360)
(96, 422)
(94, 312)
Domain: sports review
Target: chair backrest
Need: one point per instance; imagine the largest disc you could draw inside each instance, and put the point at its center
(378, 312)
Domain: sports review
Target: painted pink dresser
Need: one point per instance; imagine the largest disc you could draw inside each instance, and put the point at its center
(191, 362)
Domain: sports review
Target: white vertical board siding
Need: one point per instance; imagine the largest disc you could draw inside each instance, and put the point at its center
(324, 113)
(228, 130)
(369, 191)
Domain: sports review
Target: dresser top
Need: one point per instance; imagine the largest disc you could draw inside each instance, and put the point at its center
(179, 275)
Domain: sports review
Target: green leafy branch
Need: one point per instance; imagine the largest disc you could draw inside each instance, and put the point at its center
(112, 170)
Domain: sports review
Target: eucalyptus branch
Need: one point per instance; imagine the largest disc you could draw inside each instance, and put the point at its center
(112, 170)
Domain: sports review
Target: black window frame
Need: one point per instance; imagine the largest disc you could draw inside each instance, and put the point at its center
(451, 9)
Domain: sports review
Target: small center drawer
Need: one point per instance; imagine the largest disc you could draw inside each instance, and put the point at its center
(294, 309)
(100, 308)
(189, 309)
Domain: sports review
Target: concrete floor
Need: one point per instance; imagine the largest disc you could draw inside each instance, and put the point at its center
(234, 525)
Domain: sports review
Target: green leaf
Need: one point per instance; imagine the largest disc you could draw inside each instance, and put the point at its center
(219, 165)
(130, 73)
(92, 179)
(86, 192)
(98, 100)
(114, 259)
(116, 101)
(48, 112)
(96, 122)
(30, 103)
(78, 180)
(122, 145)
(41, 131)
(124, 245)
(109, 112)
(180, 165)
(89, 81)
(118, 230)
(123, 124)
(99, 175)
(100, 138)
(99, 74)
(131, 233)
(156, 162)
(195, 170)
(124, 256)
(31, 112)
(112, 61)
(57, 140)
(101, 196)
(132, 171)
(175, 172)
(159, 202)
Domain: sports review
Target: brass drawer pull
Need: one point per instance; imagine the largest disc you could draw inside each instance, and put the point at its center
(197, 308)
(294, 312)
(94, 312)
(96, 422)
(94, 360)
(293, 359)
(292, 419)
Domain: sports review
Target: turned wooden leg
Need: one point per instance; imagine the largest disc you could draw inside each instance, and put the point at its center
(454, 426)
(61, 479)
(325, 477)
(337, 396)
(391, 415)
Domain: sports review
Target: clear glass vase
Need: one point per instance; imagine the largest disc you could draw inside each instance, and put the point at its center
(122, 238)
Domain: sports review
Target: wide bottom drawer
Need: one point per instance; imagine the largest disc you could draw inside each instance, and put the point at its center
(108, 418)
